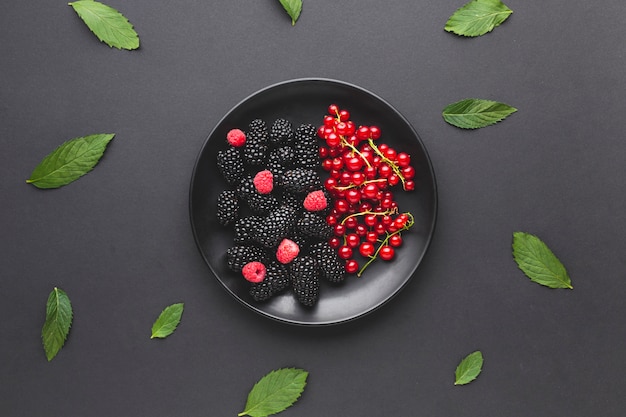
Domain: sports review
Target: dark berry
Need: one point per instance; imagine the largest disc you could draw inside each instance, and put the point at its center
(238, 256)
(305, 280)
(331, 267)
(315, 226)
(227, 207)
(281, 132)
(245, 228)
(275, 226)
(301, 180)
(276, 280)
(230, 164)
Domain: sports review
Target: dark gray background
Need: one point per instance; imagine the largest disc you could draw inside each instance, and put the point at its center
(119, 240)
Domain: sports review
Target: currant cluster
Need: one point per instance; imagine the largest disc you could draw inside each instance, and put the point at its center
(363, 173)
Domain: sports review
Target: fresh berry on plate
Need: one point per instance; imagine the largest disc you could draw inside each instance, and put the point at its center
(315, 201)
(236, 137)
(305, 280)
(264, 181)
(287, 251)
(253, 271)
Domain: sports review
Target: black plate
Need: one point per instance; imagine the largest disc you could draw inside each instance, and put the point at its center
(306, 101)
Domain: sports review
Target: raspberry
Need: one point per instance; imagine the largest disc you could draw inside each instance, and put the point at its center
(287, 251)
(315, 201)
(253, 271)
(264, 181)
(236, 138)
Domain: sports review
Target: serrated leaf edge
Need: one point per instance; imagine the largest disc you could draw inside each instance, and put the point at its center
(57, 293)
(174, 324)
(450, 117)
(301, 373)
(465, 360)
(565, 281)
(100, 38)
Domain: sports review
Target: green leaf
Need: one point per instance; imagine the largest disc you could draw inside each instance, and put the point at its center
(469, 368)
(293, 8)
(275, 392)
(167, 321)
(538, 262)
(109, 25)
(70, 161)
(478, 17)
(474, 113)
(58, 322)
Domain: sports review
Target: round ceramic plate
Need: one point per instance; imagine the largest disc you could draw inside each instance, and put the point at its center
(306, 101)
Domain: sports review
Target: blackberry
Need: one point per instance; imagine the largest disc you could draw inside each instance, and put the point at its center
(262, 204)
(293, 200)
(301, 180)
(255, 149)
(230, 164)
(306, 147)
(277, 169)
(246, 187)
(331, 267)
(305, 280)
(245, 228)
(227, 207)
(314, 226)
(299, 238)
(285, 155)
(276, 280)
(281, 131)
(238, 256)
(275, 226)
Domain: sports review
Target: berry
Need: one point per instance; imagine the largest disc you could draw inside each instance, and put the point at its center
(230, 164)
(305, 146)
(276, 280)
(227, 207)
(245, 228)
(301, 180)
(262, 203)
(281, 132)
(264, 181)
(315, 201)
(287, 251)
(277, 224)
(352, 266)
(330, 266)
(238, 256)
(386, 253)
(236, 137)
(253, 271)
(305, 280)
(255, 148)
(313, 225)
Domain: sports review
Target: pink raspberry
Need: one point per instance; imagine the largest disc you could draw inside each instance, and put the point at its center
(264, 182)
(236, 137)
(254, 271)
(287, 251)
(315, 201)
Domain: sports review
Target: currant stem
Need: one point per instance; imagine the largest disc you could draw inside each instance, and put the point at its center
(389, 162)
(409, 223)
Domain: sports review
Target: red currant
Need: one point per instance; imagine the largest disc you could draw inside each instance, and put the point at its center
(386, 253)
(352, 266)
(395, 240)
(345, 252)
(366, 249)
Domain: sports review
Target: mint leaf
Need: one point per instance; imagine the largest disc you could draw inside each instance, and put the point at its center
(469, 368)
(293, 9)
(58, 322)
(70, 161)
(109, 25)
(538, 262)
(474, 113)
(275, 392)
(167, 321)
(478, 17)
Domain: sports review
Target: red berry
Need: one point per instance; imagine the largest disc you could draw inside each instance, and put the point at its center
(404, 159)
(287, 251)
(315, 201)
(264, 182)
(386, 253)
(408, 172)
(333, 109)
(353, 240)
(366, 249)
(236, 137)
(409, 185)
(254, 271)
(352, 266)
(344, 115)
(334, 242)
(345, 252)
(374, 132)
(395, 240)
(363, 132)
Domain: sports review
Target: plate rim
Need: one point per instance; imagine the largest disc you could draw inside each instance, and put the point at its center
(434, 206)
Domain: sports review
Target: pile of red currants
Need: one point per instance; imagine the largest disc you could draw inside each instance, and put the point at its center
(363, 172)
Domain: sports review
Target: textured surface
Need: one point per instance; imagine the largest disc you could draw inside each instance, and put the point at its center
(119, 239)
